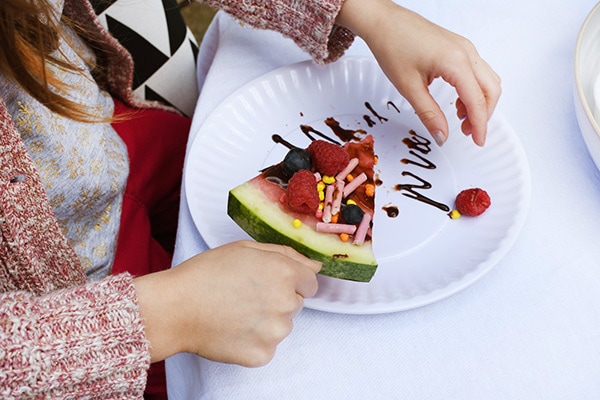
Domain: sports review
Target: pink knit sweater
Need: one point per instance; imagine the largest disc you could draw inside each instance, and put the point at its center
(64, 337)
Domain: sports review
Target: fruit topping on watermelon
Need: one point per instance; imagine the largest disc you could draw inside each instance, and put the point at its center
(327, 158)
(295, 160)
(301, 193)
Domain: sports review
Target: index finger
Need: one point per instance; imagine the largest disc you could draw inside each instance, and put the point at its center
(306, 282)
(315, 266)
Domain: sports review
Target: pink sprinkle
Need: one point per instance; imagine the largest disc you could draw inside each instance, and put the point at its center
(317, 176)
(356, 182)
(329, 194)
(338, 194)
(328, 199)
(282, 198)
(335, 228)
(349, 168)
(363, 227)
(319, 214)
(327, 213)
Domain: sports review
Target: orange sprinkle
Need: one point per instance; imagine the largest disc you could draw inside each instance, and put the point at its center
(344, 237)
(370, 190)
(334, 218)
(349, 178)
(375, 159)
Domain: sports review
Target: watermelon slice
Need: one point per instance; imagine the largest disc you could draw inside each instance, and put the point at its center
(257, 207)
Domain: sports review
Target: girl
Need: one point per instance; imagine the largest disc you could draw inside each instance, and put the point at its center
(89, 184)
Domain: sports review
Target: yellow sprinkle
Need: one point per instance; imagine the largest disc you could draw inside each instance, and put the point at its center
(454, 214)
(350, 201)
(329, 179)
(321, 205)
(320, 186)
(321, 195)
(297, 223)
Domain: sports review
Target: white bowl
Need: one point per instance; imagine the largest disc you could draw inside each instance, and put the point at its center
(587, 82)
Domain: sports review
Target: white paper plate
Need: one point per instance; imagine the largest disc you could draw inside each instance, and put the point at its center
(423, 255)
(587, 82)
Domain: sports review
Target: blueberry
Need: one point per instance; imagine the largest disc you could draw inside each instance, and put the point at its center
(352, 214)
(295, 160)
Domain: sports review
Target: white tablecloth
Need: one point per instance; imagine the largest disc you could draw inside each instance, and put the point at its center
(530, 329)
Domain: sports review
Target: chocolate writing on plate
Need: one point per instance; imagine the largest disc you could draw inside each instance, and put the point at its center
(418, 149)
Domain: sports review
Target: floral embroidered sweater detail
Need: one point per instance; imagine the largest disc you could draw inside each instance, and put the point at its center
(62, 336)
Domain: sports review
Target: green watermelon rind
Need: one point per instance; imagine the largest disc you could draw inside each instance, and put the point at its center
(265, 221)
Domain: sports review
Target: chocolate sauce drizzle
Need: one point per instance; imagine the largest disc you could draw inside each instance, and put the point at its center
(391, 104)
(418, 144)
(426, 163)
(307, 130)
(391, 211)
(279, 140)
(345, 135)
(379, 117)
(369, 121)
(413, 194)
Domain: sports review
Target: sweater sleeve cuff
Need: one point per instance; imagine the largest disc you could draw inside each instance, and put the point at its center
(80, 341)
(340, 40)
(309, 23)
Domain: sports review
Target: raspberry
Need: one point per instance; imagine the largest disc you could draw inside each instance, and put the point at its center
(472, 202)
(301, 193)
(327, 158)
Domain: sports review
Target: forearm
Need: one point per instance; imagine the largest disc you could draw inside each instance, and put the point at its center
(368, 19)
(84, 340)
(361, 16)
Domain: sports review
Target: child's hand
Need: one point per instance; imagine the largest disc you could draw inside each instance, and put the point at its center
(232, 304)
(412, 52)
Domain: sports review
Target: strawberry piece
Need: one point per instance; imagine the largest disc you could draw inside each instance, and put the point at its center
(327, 158)
(472, 202)
(301, 193)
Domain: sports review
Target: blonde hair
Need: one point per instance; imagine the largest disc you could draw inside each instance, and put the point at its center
(30, 32)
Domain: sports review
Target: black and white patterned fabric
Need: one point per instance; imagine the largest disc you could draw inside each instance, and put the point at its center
(163, 48)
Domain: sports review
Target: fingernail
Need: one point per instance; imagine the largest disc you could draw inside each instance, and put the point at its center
(439, 137)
